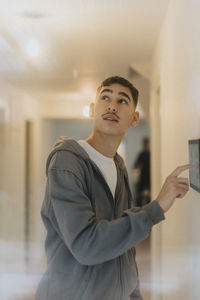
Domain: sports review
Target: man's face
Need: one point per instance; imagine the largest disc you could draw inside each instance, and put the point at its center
(114, 110)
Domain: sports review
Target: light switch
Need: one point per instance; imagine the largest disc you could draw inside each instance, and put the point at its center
(194, 157)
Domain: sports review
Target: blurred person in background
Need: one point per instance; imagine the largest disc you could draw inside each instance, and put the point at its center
(141, 172)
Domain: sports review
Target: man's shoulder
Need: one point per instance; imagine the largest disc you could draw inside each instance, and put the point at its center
(67, 156)
(66, 160)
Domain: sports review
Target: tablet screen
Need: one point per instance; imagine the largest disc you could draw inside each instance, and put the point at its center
(194, 156)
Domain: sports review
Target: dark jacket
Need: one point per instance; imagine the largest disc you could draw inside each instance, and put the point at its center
(90, 234)
(143, 163)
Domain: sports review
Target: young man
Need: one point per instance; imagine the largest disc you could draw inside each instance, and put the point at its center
(91, 225)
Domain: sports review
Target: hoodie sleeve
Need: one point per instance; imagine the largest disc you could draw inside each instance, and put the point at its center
(93, 241)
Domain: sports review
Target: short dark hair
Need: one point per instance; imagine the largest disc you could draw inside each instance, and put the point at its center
(120, 80)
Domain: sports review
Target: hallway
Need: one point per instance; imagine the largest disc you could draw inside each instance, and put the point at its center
(53, 55)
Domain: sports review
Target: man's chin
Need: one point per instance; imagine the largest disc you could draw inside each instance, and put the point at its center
(111, 132)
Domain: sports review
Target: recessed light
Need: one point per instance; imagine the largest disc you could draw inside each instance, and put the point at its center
(86, 111)
(33, 14)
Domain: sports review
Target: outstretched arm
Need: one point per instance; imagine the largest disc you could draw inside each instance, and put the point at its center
(90, 240)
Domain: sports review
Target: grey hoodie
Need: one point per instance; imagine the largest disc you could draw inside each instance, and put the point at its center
(90, 235)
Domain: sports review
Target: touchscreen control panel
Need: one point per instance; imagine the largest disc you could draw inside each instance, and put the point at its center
(194, 157)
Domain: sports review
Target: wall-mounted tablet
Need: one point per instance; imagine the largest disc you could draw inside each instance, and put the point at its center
(194, 157)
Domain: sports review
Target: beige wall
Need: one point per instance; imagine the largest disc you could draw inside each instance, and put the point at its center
(177, 72)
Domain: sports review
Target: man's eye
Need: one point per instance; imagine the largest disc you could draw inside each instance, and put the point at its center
(104, 97)
(123, 101)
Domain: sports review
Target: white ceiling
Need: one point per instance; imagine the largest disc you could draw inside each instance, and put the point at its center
(80, 42)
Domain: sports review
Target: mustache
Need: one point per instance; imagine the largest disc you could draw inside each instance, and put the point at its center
(116, 116)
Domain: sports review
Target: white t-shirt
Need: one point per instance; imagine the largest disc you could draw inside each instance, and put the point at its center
(104, 163)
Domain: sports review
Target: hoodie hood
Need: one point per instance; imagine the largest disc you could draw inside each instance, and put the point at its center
(65, 143)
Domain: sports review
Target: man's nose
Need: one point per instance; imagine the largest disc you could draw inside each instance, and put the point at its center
(112, 107)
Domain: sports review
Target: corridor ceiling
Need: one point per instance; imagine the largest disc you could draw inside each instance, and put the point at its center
(62, 45)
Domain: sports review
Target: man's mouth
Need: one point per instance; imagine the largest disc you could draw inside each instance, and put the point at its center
(110, 118)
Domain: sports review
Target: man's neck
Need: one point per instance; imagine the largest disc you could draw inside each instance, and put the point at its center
(105, 144)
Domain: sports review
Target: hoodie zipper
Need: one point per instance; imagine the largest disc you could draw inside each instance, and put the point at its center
(120, 277)
(114, 202)
(117, 191)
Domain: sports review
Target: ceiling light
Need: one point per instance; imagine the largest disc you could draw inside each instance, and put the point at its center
(86, 111)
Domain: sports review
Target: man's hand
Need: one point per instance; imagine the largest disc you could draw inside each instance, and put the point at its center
(173, 187)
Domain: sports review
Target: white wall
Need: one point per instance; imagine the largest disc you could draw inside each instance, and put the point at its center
(19, 107)
(177, 73)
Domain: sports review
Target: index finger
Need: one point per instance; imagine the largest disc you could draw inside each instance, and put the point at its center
(180, 169)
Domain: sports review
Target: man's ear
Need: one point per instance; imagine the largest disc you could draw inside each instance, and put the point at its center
(136, 118)
(92, 110)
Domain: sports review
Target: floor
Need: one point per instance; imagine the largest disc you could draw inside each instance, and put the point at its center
(144, 267)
